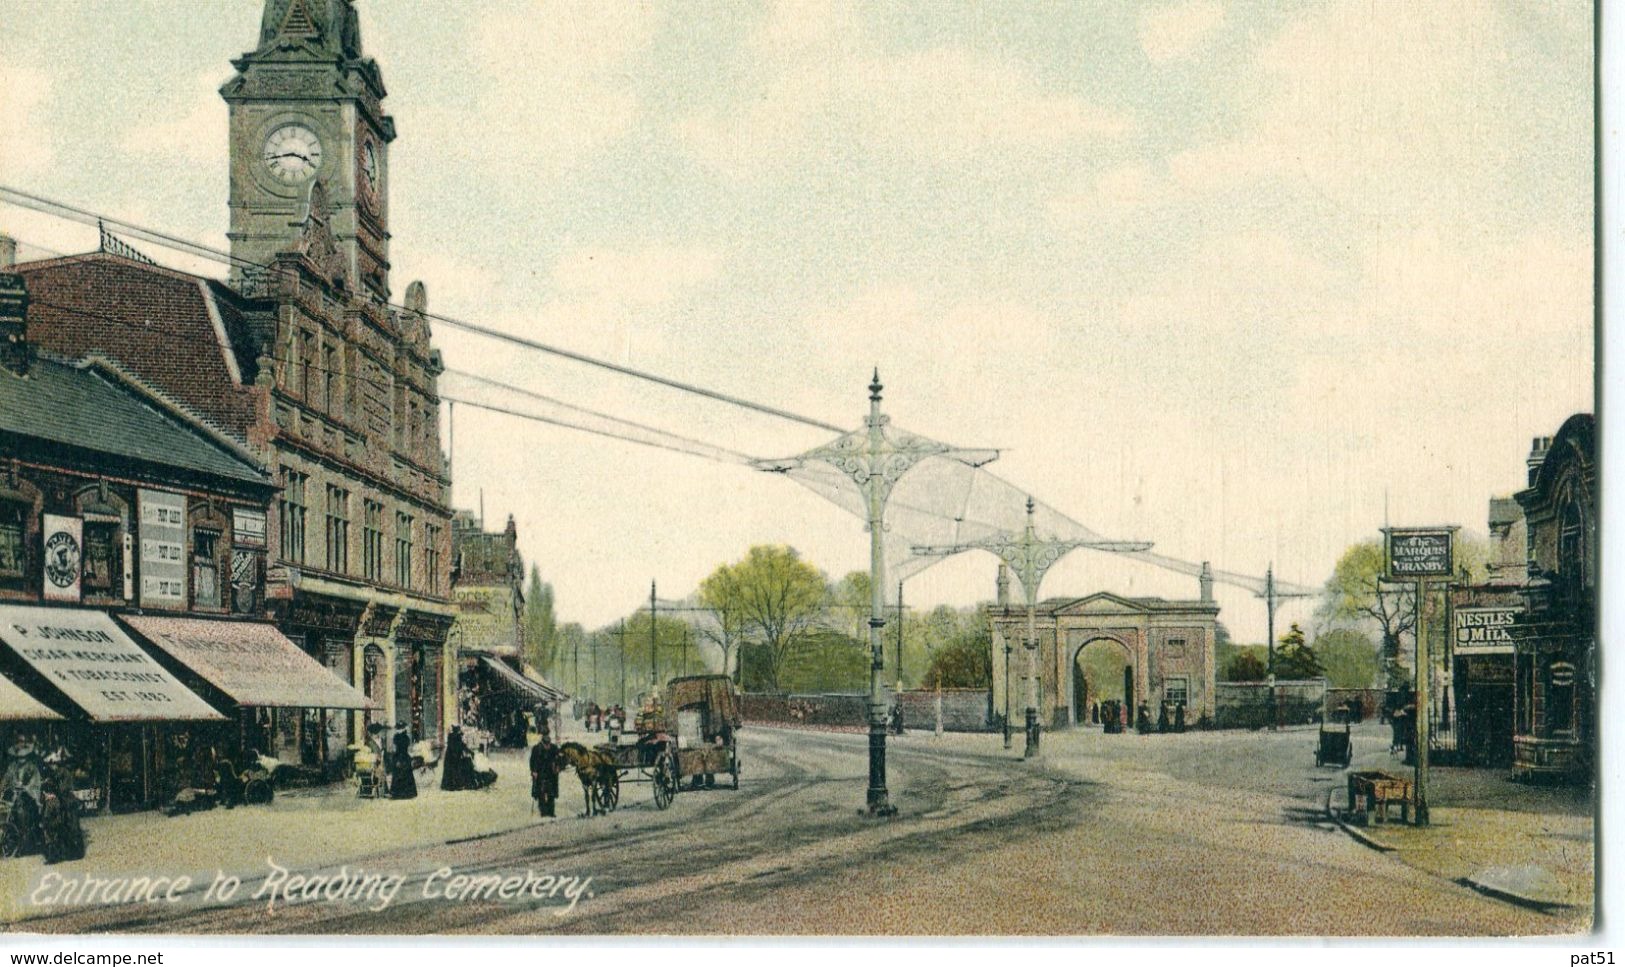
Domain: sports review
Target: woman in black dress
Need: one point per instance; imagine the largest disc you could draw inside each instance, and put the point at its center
(402, 784)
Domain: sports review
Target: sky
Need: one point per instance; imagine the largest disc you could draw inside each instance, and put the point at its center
(1236, 278)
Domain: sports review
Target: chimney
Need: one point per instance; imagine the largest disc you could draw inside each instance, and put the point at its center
(1205, 581)
(8, 251)
(1003, 598)
(1537, 456)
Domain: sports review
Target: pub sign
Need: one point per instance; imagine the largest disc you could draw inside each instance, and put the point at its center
(1419, 552)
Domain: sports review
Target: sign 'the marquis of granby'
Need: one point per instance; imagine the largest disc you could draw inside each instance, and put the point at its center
(1419, 553)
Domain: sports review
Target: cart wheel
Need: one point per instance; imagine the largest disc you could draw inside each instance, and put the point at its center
(611, 793)
(665, 781)
(733, 770)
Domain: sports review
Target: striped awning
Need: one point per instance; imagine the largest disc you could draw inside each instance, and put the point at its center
(17, 705)
(88, 658)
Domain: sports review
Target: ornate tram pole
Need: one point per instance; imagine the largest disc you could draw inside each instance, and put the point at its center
(878, 798)
(875, 458)
(1030, 557)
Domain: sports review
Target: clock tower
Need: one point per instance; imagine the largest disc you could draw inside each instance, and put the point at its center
(305, 107)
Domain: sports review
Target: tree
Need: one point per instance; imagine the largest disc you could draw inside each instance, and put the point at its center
(720, 593)
(1295, 660)
(1355, 592)
(1350, 658)
(1245, 666)
(540, 625)
(779, 597)
(966, 659)
(849, 605)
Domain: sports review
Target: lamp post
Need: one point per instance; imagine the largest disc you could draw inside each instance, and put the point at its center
(899, 688)
(1007, 650)
(654, 672)
(875, 458)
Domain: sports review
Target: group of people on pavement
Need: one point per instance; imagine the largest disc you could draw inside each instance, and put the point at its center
(596, 718)
(460, 768)
(42, 812)
(1112, 715)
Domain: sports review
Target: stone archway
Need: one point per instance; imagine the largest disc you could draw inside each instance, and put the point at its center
(1102, 669)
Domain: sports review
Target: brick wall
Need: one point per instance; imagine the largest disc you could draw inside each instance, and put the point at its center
(810, 711)
(963, 709)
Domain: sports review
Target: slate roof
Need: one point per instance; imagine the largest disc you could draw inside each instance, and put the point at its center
(91, 406)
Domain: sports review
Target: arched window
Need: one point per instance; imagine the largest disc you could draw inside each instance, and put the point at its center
(106, 521)
(20, 505)
(1571, 542)
(211, 554)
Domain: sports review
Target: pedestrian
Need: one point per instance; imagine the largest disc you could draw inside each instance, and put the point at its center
(897, 718)
(402, 784)
(544, 775)
(457, 764)
(1179, 716)
(1162, 719)
(1094, 713)
(1143, 719)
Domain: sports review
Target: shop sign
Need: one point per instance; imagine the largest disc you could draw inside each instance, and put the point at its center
(247, 527)
(1485, 631)
(1419, 552)
(163, 549)
(1488, 670)
(64, 549)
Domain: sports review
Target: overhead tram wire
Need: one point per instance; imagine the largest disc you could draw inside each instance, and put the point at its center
(198, 250)
(731, 455)
(585, 429)
(684, 444)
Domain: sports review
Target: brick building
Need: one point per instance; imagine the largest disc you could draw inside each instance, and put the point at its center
(133, 540)
(301, 358)
(1554, 644)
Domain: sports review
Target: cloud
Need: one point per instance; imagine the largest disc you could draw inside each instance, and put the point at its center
(190, 127)
(553, 79)
(28, 149)
(651, 275)
(1175, 32)
(825, 86)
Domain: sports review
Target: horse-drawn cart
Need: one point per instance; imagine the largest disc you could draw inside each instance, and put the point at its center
(689, 732)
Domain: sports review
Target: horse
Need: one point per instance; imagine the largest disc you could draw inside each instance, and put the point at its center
(597, 773)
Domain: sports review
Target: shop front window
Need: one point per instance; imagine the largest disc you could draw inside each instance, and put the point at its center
(103, 558)
(206, 568)
(1560, 698)
(13, 540)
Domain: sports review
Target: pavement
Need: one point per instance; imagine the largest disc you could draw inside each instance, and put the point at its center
(1201, 833)
(1533, 845)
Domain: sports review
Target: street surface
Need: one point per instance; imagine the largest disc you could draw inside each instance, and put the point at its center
(1202, 833)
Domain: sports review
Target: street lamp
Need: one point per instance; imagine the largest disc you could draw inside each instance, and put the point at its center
(875, 458)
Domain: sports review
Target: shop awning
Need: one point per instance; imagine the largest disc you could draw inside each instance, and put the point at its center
(17, 705)
(537, 678)
(96, 665)
(519, 684)
(250, 661)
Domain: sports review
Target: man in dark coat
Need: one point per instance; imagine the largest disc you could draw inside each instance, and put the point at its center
(545, 763)
(402, 784)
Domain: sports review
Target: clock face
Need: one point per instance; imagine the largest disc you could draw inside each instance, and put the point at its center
(369, 166)
(293, 153)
